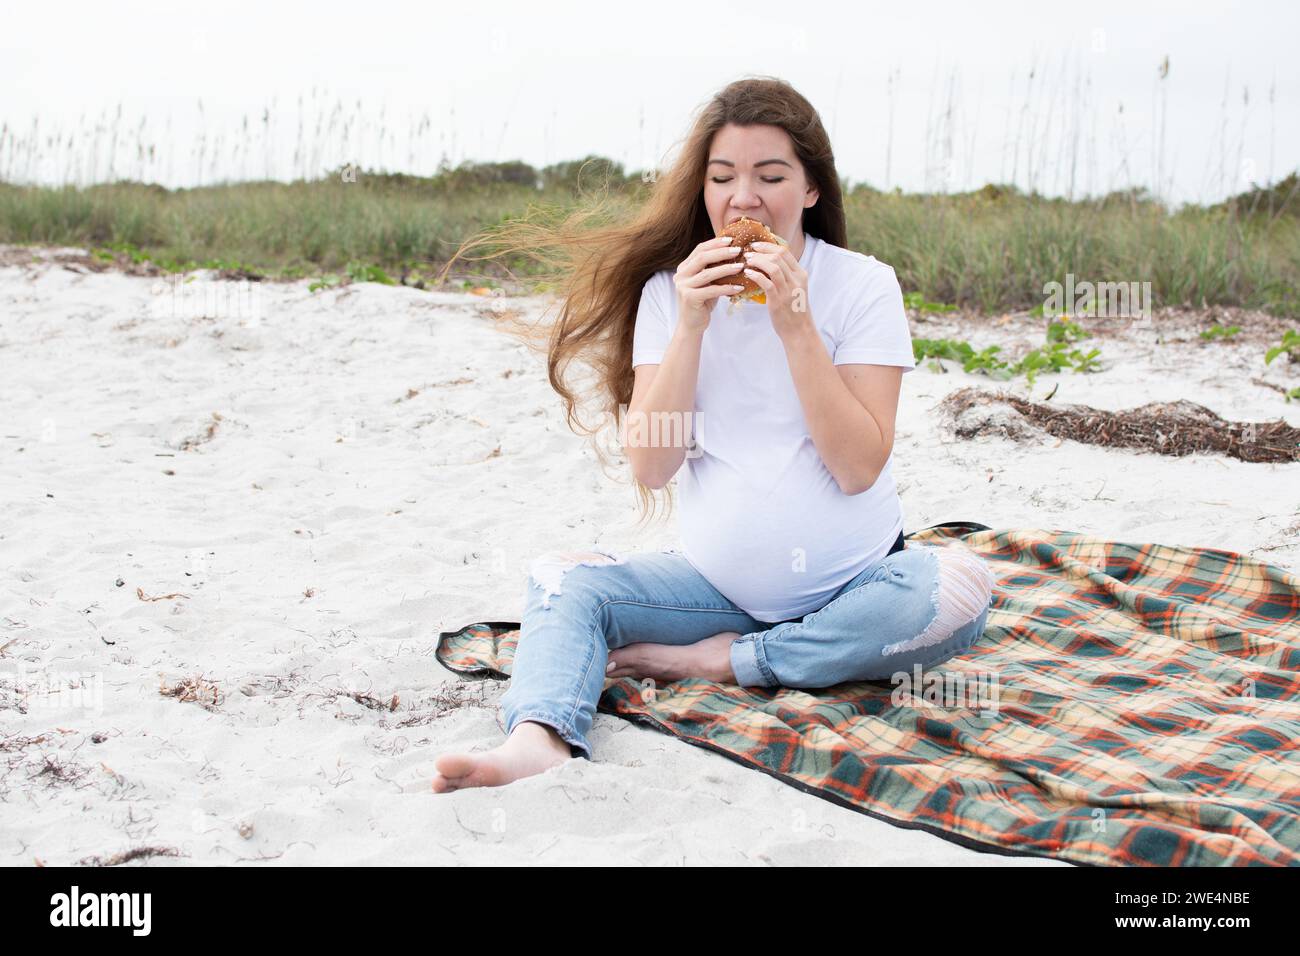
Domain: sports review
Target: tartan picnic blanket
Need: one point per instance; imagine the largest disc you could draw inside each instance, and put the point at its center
(1128, 704)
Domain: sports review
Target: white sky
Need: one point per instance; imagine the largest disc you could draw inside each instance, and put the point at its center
(545, 82)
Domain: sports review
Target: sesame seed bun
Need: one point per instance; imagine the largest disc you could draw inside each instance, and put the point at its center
(747, 231)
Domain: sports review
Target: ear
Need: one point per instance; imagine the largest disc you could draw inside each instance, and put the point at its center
(810, 197)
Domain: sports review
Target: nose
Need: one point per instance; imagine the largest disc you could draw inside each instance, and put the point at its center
(744, 197)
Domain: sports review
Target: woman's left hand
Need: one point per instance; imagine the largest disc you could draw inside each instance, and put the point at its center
(785, 286)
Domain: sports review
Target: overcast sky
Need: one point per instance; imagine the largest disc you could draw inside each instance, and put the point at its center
(545, 82)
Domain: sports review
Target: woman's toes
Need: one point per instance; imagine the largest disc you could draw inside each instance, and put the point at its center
(456, 771)
(456, 765)
(639, 660)
(621, 661)
(495, 768)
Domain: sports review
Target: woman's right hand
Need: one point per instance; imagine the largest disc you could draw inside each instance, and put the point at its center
(695, 297)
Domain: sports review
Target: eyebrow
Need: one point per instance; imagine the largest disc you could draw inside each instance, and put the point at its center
(765, 162)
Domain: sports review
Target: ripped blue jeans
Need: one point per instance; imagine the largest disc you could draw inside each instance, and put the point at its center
(921, 604)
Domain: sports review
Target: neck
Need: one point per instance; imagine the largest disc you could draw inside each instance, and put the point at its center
(796, 245)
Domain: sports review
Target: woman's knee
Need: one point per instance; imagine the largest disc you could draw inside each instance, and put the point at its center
(966, 581)
(551, 573)
(960, 589)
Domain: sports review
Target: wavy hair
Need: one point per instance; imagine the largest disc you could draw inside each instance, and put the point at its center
(600, 261)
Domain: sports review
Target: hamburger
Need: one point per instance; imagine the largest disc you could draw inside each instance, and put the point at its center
(747, 231)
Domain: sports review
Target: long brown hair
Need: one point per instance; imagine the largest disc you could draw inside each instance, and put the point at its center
(599, 270)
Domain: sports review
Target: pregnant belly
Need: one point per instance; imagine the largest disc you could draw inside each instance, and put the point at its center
(777, 555)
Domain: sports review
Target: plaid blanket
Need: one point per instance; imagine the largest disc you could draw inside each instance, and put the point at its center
(1128, 704)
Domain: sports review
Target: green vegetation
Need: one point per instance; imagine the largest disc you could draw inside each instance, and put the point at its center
(1290, 345)
(1055, 355)
(1217, 331)
(992, 249)
(915, 300)
(133, 254)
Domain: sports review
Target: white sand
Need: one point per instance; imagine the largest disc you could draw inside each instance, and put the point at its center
(331, 526)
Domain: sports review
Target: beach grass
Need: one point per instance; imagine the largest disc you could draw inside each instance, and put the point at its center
(992, 249)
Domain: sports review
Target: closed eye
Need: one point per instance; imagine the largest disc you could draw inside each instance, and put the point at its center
(766, 179)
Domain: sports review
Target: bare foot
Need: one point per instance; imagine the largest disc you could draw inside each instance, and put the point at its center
(531, 748)
(709, 659)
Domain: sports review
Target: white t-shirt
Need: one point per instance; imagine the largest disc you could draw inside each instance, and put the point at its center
(760, 515)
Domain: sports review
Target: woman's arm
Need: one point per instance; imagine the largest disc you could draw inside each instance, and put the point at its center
(658, 425)
(850, 409)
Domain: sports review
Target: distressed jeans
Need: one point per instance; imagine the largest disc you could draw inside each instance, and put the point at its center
(919, 605)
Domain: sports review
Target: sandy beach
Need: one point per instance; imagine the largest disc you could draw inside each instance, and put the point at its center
(232, 534)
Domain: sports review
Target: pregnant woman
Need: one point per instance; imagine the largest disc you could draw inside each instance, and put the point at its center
(793, 570)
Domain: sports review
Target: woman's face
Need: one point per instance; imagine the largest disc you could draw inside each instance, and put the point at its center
(752, 171)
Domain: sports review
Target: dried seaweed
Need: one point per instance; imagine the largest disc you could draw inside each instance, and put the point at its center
(1166, 428)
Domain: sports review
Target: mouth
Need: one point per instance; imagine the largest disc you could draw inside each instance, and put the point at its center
(735, 219)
